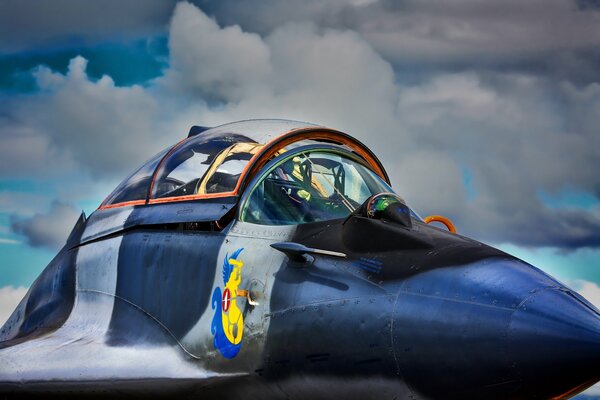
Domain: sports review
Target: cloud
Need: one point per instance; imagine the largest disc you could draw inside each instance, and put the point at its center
(9, 299)
(545, 35)
(225, 63)
(20, 203)
(26, 151)
(26, 25)
(554, 37)
(307, 74)
(505, 131)
(47, 230)
(104, 128)
(589, 290)
(592, 391)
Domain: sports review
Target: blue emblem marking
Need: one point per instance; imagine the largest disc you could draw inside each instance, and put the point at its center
(369, 265)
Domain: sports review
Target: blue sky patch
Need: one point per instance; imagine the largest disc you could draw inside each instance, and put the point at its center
(126, 63)
(467, 178)
(569, 198)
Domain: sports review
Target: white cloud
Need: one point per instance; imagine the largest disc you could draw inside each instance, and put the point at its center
(334, 76)
(103, 126)
(438, 187)
(225, 63)
(9, 298)
(74, 120)
(475, 29)
(22, 203)
(592, 391)
(47, 230)
(589, 290)
(27, 151)
(296, 72)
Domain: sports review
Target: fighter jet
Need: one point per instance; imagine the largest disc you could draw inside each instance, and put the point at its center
(271, 259)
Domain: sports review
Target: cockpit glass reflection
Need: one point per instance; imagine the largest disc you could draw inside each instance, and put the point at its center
(203, 168)
(310, 187)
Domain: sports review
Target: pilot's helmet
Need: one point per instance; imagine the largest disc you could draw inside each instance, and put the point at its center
(378, 203)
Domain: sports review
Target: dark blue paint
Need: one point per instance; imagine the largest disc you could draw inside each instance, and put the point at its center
(471, 329)
(369, 265)
(190, 211)
(325, 319)
(167, 213)
(465, 321)
(168, 276)
(50, 298)
(197, 129)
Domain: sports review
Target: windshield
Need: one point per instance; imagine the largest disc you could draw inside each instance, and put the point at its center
(135, 187)
(203, 167)
(309, 187)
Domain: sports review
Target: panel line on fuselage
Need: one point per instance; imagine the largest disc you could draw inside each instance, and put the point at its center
(149, 315)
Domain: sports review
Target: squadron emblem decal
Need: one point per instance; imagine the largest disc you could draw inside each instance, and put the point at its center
(228, 323)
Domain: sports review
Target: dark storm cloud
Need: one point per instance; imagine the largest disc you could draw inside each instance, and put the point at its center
(27, 25)
(516, 135)
(556, 37)
(588, 4)
(48, 230)
(406, 31)
(571, 228)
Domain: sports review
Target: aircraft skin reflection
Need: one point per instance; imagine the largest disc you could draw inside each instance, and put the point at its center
(271, 259)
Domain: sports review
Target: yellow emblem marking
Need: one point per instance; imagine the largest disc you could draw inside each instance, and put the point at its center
(233, 321)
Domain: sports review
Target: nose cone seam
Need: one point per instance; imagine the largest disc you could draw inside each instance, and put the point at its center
(574, 295)
(533, 293)
(536, 293)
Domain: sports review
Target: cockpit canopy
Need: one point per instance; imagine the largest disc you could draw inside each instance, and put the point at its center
(301, 172)
(309, 186)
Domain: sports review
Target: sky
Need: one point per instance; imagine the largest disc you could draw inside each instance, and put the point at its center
(485, 112)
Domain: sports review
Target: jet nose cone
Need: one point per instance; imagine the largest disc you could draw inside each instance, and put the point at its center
(554, 343)
(497, 328)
